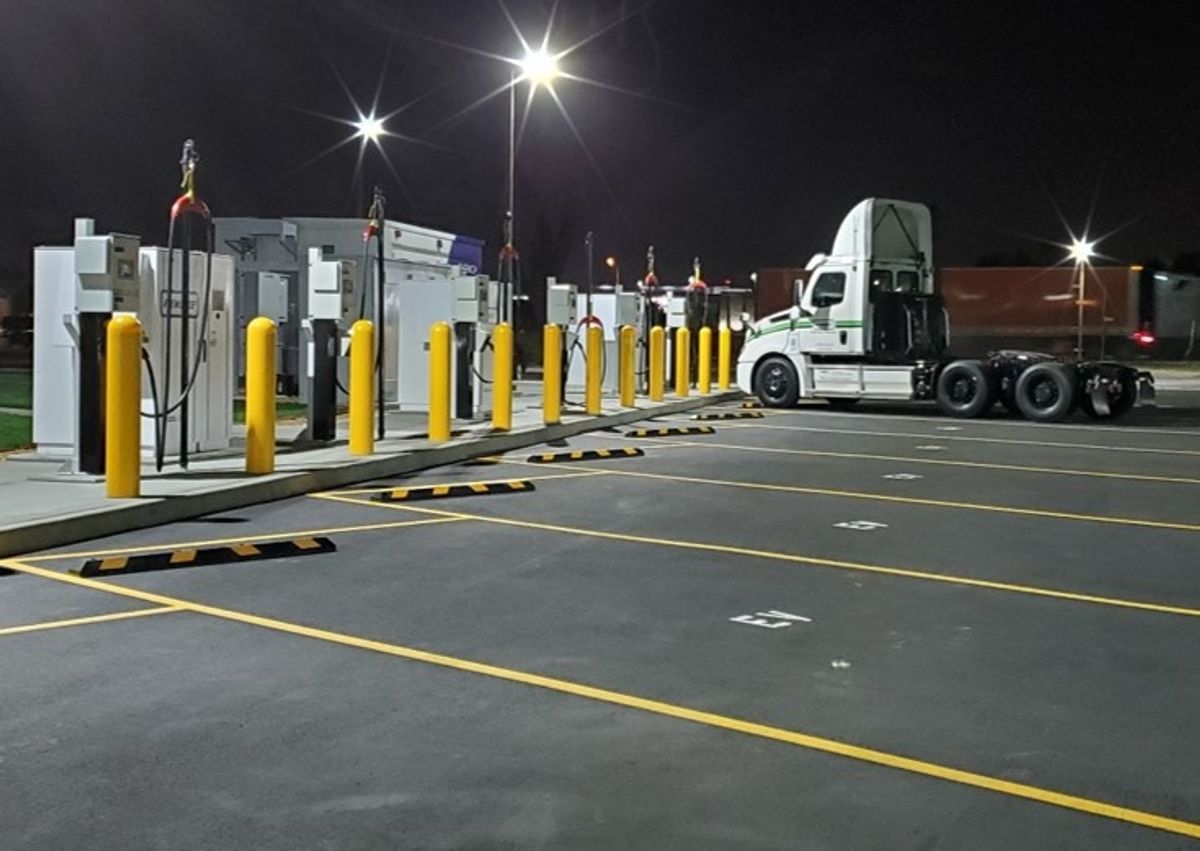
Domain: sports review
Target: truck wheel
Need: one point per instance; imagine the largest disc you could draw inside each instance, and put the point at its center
(776, 383)
(1046, 392)
(1122, 394)
(964, 389)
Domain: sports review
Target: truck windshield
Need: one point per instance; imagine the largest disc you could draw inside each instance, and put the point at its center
(908, 282)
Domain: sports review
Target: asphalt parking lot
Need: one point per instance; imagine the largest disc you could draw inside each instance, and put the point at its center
(809, 630)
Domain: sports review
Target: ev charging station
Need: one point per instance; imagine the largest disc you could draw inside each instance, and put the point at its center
(330, 306)
(428, 276)
(77, 289)
(611, 310)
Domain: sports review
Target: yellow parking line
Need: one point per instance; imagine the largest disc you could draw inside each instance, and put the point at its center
(270, 536)
(114, 616)
(574, 474)
(905, 500)
(1194, 453)
(793, 558)
(906, 459)
(795, 738)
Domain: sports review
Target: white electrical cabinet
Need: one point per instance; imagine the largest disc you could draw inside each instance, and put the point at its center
(55, 351)
(272, 290)
(613, 310)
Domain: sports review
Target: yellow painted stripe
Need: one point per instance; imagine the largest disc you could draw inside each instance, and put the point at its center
(796, 738)
(795, 558)
(399, 493)
(306, 543)
(440, 490)
(114, 563)
(517, 485)
(184, 556)
(966, 438)
(270, 536)
(479, 487)
(978, 465)
(576, 455)
(114, 616)
(547, 456)
(246, 549)
(908, 500)
(602, 453)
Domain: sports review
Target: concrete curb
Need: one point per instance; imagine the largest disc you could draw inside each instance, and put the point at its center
(144, 513)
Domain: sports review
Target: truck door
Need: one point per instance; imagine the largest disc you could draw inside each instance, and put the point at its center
(822, 299)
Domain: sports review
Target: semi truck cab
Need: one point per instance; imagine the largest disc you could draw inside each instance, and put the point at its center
(868, 323)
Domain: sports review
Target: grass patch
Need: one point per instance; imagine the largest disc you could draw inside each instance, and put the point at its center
(16, 431)
(16, 388)
(285, 409)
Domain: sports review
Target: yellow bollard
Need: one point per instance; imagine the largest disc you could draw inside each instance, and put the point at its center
(551, 374)
(704, 362)
(502, 373)
(362, 387)
(724, 350)
(682, 367)
(122, 408)
(595, 360)
(260, 396)
(658, 338)
(628, 373)
(439, 382)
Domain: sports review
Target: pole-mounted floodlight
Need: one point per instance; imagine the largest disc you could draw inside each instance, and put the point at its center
(539, 67)
(1081, 250)
(369, 128)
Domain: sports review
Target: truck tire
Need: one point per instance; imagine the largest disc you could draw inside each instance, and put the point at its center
(776, 383)
(1046, 392)
(965, 389)
(1121, 398)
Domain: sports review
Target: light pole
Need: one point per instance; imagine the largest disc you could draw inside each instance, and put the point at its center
(1081, 251)
(611, 262)
(540, 68)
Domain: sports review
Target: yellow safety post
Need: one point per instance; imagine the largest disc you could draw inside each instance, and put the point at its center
(658, 346)
(704, 362)
(595, 360)
(502, 375)
(551, 374)
(122, 408)
(682, 367)
(439, 382)
(724, 351)
(362, 387)
(628, 373)
(260, 396)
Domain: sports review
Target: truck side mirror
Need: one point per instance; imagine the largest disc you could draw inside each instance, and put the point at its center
(795, 313)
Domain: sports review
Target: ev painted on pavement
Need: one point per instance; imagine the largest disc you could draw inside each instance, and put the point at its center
(870, 325)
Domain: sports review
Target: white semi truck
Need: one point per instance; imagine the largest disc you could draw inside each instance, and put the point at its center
(870, 325)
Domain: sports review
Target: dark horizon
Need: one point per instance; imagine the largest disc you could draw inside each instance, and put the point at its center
(750, 134)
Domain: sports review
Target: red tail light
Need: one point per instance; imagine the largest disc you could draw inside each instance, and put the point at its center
(1144, 338)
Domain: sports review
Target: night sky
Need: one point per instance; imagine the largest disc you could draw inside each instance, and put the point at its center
(749, 130)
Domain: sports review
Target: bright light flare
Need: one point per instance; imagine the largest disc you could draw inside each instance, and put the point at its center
(369, 128)
(539, 66)
(610, 262)
(1081, 250)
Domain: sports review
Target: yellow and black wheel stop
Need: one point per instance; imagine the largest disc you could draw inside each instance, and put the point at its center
(584, 455)
(192, 557)
(446, 491)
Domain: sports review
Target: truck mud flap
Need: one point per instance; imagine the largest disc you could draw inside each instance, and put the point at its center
(1145, 395)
